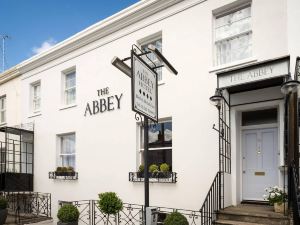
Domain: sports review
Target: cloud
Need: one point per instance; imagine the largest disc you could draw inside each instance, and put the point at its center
(44, 46)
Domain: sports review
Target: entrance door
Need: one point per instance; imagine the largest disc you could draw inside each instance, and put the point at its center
(260, 162)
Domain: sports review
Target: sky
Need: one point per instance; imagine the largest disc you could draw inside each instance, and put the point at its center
(35, 25)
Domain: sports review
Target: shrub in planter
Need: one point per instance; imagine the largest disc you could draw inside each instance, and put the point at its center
(176, 218)
(164, 168)
(164, 171)
(141, 170)
(70, 171)
(68, 215)
(3, 210)
(110, 204)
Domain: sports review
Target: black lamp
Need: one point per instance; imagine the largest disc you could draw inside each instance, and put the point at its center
(217, 98)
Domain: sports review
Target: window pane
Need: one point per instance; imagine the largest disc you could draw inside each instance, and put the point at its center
(259, 117)
(159, 157)
(70, 80)
(152, 57)
(68, 144)
(233, 36)
(68, 160)
(70, 96)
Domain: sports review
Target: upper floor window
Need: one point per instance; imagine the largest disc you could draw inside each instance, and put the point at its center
(160, 144)
(233, 36)
(36, 96)
(67, 150)
(69, 87)
(158, 44)
(2, 109)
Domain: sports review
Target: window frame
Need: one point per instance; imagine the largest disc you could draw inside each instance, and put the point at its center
(222, 13)
(66, 89)
(3, 110)
(59, 161)
(140, 147)
(33, 97)
(149, 40)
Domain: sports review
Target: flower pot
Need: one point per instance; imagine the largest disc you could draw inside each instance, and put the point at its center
(140, 174)
(68, 223)
(3, 215)
(279, 207)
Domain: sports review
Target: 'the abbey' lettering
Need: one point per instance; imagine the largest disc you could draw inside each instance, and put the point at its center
(107, 103)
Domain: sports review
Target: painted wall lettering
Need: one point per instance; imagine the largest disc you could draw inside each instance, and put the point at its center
(105, 103)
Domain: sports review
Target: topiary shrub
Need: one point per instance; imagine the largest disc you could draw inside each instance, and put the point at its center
(141, 168)
(59, 169)
(68, 213)
(153, 168)
(164, 167)
(176, 218)
(3, 203)
(109, 203)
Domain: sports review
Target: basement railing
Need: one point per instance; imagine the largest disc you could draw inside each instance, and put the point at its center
(28, 207)
(295, 194)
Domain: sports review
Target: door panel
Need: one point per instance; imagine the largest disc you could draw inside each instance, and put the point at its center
(260, 162)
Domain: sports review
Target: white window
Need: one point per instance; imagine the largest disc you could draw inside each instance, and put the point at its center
(69, 88)
(36, 96)
(67, 150)
(158, 44)
(2, 109)
(233, 36)
(160, 144)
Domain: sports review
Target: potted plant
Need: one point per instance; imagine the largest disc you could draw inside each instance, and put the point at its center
(164, 170)
(140, 173)
(110, 204)
(176, 218)
(70, 171)
(153, 169)
(68, 214)
(276, 197)
(58, 171)
(3, 210)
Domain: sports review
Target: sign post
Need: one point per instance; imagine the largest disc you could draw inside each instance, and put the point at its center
(145, 102)
(144, 88)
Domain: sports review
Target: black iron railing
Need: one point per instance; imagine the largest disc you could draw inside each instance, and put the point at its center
(160, 177)
(214, 200)
(90, 214)
(295, 194)
(28, 205)
(64, 176)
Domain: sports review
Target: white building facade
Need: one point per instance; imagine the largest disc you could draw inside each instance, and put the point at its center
(80, 104)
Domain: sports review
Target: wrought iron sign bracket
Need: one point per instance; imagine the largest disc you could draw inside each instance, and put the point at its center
(220, 132)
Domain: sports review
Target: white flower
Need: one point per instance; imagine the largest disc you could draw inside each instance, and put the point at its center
(272, 195)
(265, 196)
(276, 187)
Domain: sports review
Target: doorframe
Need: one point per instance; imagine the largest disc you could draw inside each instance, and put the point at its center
(237, 128)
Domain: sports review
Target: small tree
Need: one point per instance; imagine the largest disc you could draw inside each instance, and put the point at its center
(176, 218)
(68, 213)
(109, 203)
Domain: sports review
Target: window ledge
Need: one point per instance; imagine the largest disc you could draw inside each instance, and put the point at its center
(63, 175)
(35, 114)
(67, 106)
(168, 177)
(232, 65)
(3, 124)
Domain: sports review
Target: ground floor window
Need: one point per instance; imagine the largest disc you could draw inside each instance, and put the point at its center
(160, 144)
(67, 150)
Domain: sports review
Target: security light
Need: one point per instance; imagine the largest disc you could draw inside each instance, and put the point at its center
(290, 86)
(216, 99)
(162, 59)
(118, 63)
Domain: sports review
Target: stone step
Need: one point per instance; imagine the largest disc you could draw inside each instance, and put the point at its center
(253, 214)
(231, 222)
